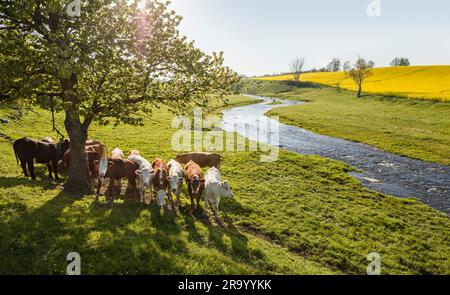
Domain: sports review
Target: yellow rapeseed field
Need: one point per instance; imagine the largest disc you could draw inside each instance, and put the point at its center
(423, 82)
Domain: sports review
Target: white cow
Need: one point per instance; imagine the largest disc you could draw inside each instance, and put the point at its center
(176, 176)
(214, 189)
(145, 174)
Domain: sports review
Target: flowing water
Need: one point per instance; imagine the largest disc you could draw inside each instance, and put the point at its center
(381, 171)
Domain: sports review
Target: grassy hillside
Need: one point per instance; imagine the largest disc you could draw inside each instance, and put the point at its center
(301, 214)
(420, 82)
(417, 129)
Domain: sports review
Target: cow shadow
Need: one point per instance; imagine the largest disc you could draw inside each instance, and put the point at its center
(225, 237)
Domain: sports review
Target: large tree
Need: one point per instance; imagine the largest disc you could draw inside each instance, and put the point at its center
(110, 64)
(359, 72)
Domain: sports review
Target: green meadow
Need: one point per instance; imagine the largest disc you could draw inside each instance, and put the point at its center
(298, 215)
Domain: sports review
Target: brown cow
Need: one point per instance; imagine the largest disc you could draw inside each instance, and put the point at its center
(27, 150)
(193, 175)
(201, 159)
(90, 146)
(118, 169)
(161, 182)
(97, 146)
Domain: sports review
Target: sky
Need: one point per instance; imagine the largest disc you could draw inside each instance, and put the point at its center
(261, 37)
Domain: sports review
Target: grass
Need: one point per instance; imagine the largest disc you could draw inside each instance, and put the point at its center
(413, 128)
(416, 82)
(299, 215)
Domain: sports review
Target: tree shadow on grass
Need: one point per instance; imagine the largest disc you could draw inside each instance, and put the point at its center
(10, 182)
(301, 84)
(118, 238)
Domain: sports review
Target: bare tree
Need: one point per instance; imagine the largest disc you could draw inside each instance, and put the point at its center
(359, 72)
(296, 67)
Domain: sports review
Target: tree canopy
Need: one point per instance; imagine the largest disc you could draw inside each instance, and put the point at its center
(110, 64)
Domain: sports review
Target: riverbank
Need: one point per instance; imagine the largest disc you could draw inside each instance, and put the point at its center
(416, 129)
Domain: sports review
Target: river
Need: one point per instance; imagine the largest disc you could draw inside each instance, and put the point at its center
(381, 171)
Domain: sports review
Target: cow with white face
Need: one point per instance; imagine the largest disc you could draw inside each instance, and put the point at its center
(145, 173)
(176, 176)
(103, 165)
(214, 189)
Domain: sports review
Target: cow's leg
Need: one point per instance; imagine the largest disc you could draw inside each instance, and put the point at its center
(55, 169)
(215, 208)
(23, 164)
(169, 194)
(197, 199)
(191, 196)
(30, 165)
(132, 182)
(49, 166)
(99, 185)
(178, 196)
(206, 206)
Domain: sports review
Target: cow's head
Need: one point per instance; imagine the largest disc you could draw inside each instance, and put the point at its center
(160, 179)
(196, 182)
(175, 182)
(103, 165)
(146, 176)
(226, 190)
(160, 197)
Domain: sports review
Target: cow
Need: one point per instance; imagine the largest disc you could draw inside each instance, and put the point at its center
(97, 146)
(160, 182)
(103, 166)
(214, 189)
(193, 175)
(176, 176)
(145, 173)
(27, 150)
(202, 159)
(117, 154)
(49, 139)
(117, 169)
(90, 146)
(134, 153)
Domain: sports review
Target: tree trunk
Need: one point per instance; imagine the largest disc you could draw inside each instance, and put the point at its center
(359, 91)
(78, 182)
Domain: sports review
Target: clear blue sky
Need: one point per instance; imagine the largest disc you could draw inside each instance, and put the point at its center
(260, 36)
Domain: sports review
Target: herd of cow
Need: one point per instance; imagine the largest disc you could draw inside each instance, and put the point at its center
(161, 179)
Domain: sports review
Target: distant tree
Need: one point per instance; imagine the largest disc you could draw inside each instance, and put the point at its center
(334, 65)
(359, 72)
(400, 62)
(296, 67)
(371, 64)
(347, 66)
